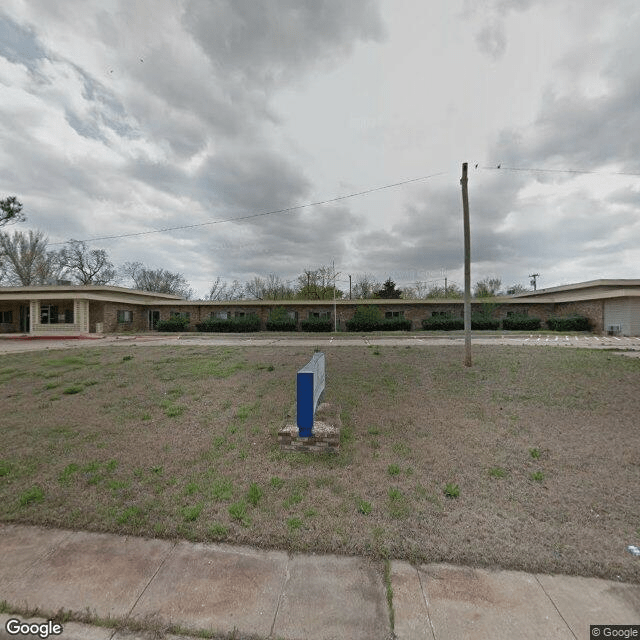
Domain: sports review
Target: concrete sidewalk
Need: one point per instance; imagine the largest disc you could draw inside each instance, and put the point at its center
(270, 594)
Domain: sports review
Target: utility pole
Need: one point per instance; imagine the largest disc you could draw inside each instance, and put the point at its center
(349, 286)
(445, 286)
(534, 276)
(467, 268)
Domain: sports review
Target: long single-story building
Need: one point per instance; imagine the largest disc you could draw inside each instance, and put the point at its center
(613, 306)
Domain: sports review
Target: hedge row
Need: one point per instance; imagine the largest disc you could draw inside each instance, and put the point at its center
(369, 320)
(232, 325)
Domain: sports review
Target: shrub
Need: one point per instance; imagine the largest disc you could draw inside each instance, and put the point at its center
(280, 321)
(247, 324)
(396, 324)
(370, 318)
(365, 318)
(443, 323)
(483, 322)
(569, 323)
(521, 323)
(316, 324)
(173, 324)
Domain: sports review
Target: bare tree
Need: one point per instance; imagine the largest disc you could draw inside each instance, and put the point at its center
(157, 280)
(366, 284)
(10, 211)
(26, 261)
(516, 288)
(223, 291)
(87, 266)
(254, 289)
(487, 288)
(276, 289)
(317, 284)
(452, 291)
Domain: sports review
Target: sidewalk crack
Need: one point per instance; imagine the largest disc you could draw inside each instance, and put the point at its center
(426, 603)
(554, 606)
(287, 576)
(166, 557)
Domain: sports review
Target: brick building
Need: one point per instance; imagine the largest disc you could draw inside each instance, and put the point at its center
(611, 305)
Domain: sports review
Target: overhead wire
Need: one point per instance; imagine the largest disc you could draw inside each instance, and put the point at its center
(263, 213)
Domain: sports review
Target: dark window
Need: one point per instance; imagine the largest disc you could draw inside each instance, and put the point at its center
(180, 314)
(394, 314)
(125, 316)
(6, 316)
(68, 316)
(48, 314)
(320, 315)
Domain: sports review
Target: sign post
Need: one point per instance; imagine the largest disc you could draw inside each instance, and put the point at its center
(309, 390)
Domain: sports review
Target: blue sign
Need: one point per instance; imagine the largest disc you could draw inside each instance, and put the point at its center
(309, 390)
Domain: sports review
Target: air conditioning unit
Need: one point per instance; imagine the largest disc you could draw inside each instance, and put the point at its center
(614, 329)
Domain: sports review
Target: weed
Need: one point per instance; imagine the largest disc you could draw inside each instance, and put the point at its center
(126, 358)
(111, 466)
(364, 507)
(77, 388)
(218, 531)
(451, 490)
(190, 514)
(537, 476)
(497, 472)
(238, 511)
(254, 494)
(174, 411)
(402, 449)
(69, 471)
(309, 513)
(373, 431)
(131, 516)
(294, 498)
(52, 385)
(393, 469)
(222, 489)
(398, 505)
(5, 468)
(145, 416)
(534, 453)
(34, 494)
(276, 482)
(389, 591)
(191, 488)
(294, 524)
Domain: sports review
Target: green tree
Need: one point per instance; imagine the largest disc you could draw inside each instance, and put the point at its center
(487, 288)
(10, 211)
(389, 290)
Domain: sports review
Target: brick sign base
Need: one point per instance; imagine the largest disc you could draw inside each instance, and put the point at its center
(326, 433)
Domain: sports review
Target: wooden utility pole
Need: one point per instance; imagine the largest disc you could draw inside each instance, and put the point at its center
(467, 268)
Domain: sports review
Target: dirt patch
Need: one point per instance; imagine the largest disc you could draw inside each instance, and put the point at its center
(181, 442)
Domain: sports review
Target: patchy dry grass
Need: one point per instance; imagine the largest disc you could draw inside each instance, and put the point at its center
(528, 460)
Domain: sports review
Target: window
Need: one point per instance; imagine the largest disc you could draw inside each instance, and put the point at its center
(524, 312)
(48, 314)
(220, 315)
(435, 314)
(239, 314)
(125, 316)
(6, 317)
(292, 315)
(320, 315)
(394, 314)
(180, 314)
(68, 316)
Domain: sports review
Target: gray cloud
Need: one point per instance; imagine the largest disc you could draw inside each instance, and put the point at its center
(263, 44)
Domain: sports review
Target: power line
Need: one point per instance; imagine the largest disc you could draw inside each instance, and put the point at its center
(264, 213)
(578, 171)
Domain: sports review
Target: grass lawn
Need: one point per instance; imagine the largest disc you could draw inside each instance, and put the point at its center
(528, 460)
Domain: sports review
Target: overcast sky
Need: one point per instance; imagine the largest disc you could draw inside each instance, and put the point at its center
(127, 116)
